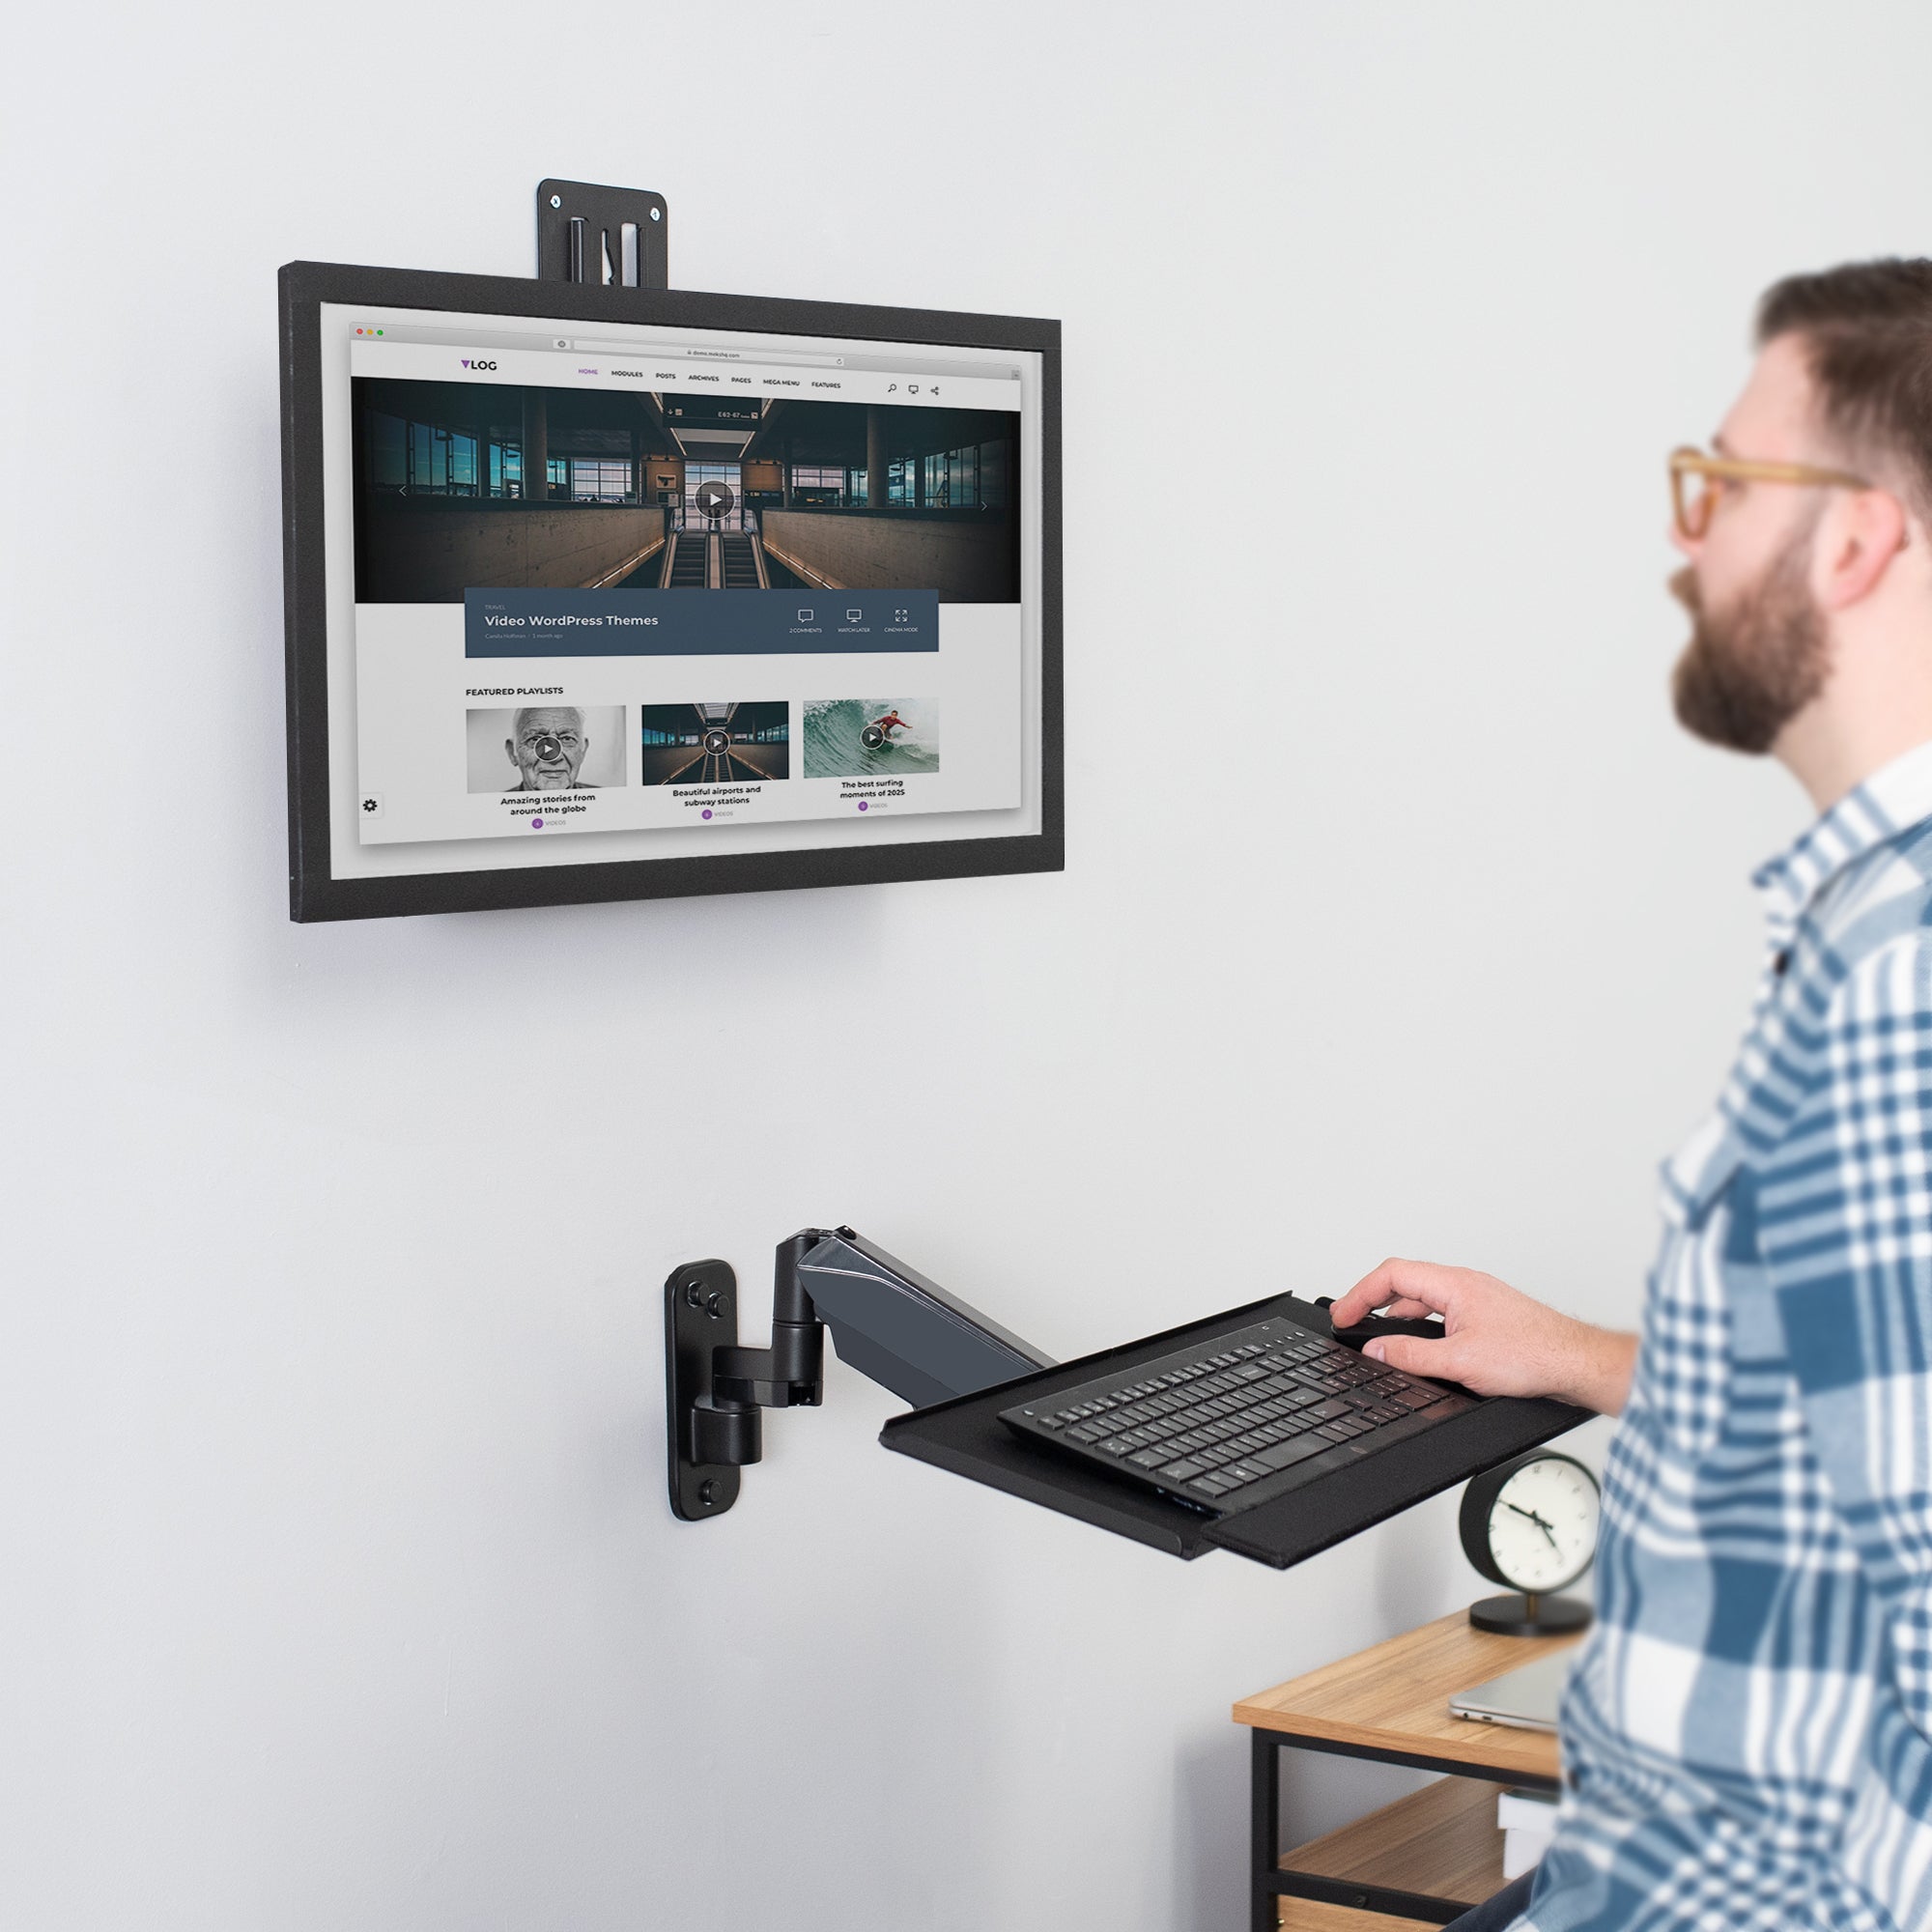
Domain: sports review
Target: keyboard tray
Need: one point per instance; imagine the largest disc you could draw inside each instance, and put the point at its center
(966, 1436)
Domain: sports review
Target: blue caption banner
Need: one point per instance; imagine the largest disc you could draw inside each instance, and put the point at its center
(696, 623)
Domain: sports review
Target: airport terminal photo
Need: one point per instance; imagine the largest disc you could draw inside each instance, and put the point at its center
(494, 484)
(716, 743)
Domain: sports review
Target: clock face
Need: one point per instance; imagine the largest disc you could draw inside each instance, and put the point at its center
(1543, 1525)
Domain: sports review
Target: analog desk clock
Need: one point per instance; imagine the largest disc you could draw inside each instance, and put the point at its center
(1531, 1526)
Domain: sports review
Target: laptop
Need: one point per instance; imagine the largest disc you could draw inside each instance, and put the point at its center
(1526, 1698)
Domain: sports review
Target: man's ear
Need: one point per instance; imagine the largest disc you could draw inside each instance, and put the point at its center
(510, 751)
(1860, 534)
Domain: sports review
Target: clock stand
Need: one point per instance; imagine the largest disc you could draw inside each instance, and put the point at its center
(1529, 1614)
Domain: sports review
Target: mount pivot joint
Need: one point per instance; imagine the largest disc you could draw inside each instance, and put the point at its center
(887, 1321)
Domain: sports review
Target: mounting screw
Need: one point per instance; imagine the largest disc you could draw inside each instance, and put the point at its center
(694, 1295)
(656, 215)
(715, 1307)
(707, 1492)
(556, 201)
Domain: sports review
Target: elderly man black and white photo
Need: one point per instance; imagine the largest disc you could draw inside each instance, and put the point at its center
(548, 746)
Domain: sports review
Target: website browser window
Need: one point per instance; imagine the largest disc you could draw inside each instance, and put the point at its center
(617, 594)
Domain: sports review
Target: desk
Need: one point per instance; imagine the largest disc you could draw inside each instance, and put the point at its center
(1427, 1857)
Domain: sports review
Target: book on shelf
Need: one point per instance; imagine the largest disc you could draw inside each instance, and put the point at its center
(1528, 1822)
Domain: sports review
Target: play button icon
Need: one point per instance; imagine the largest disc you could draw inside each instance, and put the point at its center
(714, 500)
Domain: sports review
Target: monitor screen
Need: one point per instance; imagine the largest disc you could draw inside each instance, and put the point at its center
(616, 608)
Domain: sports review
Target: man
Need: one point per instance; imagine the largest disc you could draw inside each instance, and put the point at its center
(547, 746)
(1748, 1735)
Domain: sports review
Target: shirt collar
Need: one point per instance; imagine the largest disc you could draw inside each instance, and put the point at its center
(1895, 796)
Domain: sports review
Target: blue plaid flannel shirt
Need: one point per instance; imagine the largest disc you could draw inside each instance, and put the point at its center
(1748, 1735)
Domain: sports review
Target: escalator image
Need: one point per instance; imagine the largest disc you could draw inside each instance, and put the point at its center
(740, 563)
(687, 566)
(716, 744)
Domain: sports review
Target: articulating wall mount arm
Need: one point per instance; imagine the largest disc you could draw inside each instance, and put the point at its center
(887, 1321)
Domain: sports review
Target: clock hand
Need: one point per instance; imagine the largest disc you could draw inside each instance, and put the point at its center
(1537, 1520)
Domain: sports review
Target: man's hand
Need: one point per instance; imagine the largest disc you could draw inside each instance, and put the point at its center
(1494, 1340)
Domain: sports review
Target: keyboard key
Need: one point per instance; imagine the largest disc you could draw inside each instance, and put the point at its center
(1325, 1411)
(1146, 1459)
(1179, 1473)
(1283, 1454)
(1246, 1472)
(1335, 1432)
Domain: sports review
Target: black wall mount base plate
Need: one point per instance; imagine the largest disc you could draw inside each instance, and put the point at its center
(608, 237)
(702, 1313)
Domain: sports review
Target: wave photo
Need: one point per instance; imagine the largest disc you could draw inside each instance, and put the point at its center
(870, 737)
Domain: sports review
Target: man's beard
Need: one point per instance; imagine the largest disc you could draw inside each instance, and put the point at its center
(1747, 674)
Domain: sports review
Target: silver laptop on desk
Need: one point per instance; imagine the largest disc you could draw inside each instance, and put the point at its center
(1526, 1698)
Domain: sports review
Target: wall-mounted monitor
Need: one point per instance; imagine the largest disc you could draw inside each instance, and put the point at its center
(609, 593)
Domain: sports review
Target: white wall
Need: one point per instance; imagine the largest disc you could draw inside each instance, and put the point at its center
(339, 1588)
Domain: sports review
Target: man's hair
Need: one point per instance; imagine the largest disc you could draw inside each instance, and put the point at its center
(1867, 328)
(530, 710)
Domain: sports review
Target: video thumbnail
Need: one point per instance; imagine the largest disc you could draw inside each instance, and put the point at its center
(870, 737)
(716, 744)
(546, 748)
(803, 494)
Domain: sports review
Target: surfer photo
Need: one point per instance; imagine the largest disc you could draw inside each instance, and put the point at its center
(867, 737)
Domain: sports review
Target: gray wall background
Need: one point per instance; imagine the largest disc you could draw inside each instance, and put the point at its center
(338, 1587)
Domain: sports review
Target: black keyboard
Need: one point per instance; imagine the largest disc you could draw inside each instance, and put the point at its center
(1232, 1422)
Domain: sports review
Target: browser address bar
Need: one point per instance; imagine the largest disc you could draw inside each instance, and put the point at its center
(780, 359)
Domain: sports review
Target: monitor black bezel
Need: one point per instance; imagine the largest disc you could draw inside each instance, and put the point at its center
(314, 894)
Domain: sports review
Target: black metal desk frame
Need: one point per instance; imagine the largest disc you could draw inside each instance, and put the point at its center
(1269, 1881)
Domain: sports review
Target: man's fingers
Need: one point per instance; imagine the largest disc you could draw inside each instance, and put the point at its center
(1409, 1310)
(1422, 1288)
(1366, 1295)
(1412, 1355)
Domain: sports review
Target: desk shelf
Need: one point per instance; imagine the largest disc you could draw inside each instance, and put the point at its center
(1428, 1857)
(1440, 1842)
(1305, 1914)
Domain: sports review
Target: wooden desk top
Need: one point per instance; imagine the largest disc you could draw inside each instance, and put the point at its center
(1395, 1697)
